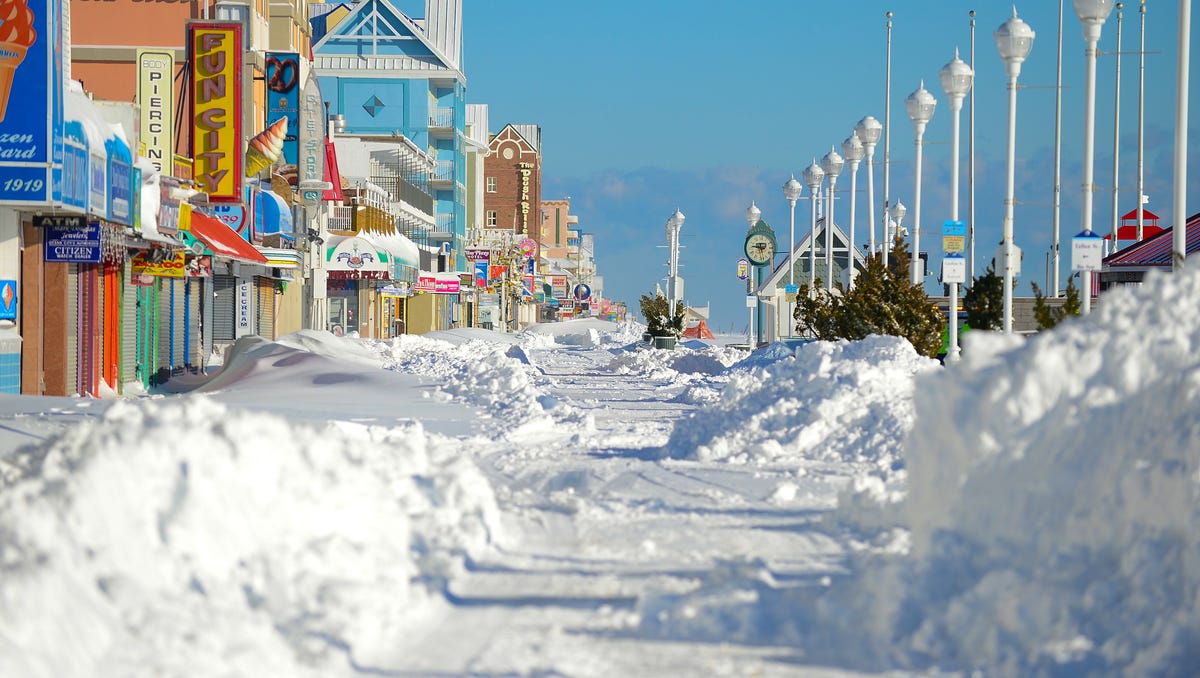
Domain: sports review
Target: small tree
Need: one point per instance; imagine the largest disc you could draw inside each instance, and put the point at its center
(656, 311)
(1049, 317)
(984, 301)
(883, 301)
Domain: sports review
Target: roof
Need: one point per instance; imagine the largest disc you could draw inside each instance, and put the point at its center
(1157, 250)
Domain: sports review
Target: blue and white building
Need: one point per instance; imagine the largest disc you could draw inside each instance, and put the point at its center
(386, 74)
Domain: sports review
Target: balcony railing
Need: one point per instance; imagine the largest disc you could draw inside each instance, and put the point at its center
(444, 171)
(441, 116)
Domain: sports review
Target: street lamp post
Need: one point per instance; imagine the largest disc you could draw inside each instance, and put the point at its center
(868, 130)
(852, 150)
(1116, 202)
(831, 163)
(887, 135)
(920, 105)
(1092, 14)
(956, 78)
(791, 193)
(674, 293)
(813, 176)
(1014, 39)
(752, 216)
(896, 213)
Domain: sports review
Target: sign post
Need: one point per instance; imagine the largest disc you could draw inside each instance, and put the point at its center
(1087, 252)
(954, 271)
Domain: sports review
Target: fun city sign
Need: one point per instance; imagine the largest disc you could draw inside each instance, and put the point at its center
(214, 50)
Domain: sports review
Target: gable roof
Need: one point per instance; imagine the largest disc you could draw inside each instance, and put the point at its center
(375, 36)
(512, 132)
(778, 274)
(1157, 250)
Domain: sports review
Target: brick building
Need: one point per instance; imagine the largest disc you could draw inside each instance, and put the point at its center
(512, 198)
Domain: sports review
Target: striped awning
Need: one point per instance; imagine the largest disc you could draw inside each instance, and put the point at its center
(1156, 250)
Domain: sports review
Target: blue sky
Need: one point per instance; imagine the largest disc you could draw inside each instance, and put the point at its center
(705, 106)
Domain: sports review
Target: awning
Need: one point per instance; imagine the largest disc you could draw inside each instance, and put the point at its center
(332, 175)
(404, 251)
(223, 241)
(352, 256)
(277, 215)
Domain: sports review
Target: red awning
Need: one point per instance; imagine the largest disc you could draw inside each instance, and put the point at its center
(332, 175)
(223, 241)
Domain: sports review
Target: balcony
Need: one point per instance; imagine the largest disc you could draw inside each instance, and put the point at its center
(441, 122)
(443, 175)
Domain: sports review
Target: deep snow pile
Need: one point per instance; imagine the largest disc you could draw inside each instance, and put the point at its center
(692, 361)
(846, 401)
(308, 546)
(494, 375)
(1053, 502)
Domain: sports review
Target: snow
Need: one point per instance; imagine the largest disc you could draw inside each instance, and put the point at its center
(570, 501)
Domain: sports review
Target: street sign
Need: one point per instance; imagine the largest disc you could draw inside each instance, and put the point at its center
(954, 237)
(1015, 264)
(743, 268)
(751, 301)
(1087, 251)
(954, 269)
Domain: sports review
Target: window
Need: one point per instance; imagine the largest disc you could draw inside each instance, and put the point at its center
(491, 218)
(491, 184)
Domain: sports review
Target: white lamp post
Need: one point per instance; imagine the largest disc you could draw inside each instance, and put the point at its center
(752, 216)
(896, 213)
(813, 176)
(887, 136)
(1092, 14)
(674, 224)
(831, 163)
(956, 78)
(852, 150)
(919, 105)
(791, 193)
(869, 130)
(1014, 39)
(1116, 201)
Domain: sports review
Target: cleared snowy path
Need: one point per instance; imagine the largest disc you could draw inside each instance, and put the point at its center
(596, 525)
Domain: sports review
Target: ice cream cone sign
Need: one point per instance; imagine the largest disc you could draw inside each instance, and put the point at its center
(16, 36)
(265, 147)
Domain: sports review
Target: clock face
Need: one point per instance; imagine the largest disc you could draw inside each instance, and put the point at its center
(760, 249)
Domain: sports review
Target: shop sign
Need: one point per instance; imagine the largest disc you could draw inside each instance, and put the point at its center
(311, 138)
(438, 283)
(156, 73)
(525, 170)
(478, 255)
(283, 89)
(198, 267)
(75, 175)
(558, 286)
(244, 309)
(170, 267)
(214, 50)
(8, 299)
(59, 221)
(234, 216)
(120, 192)
(98, 185)
(73, 244)
(168, 206)
(31, 92)
(481, 273)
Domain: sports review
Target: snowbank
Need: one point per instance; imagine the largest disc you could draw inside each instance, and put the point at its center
(310, 547)
(849, 401)
(1053, 501)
